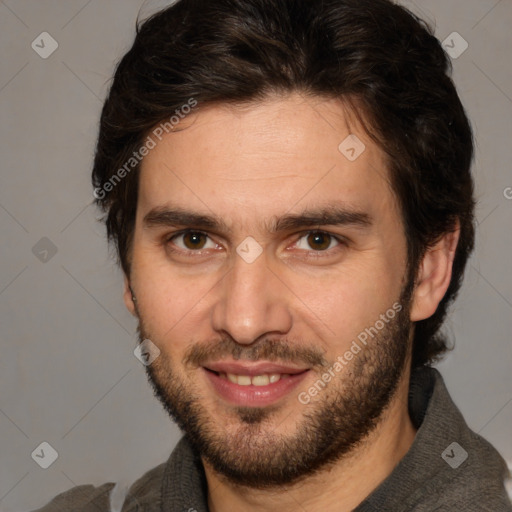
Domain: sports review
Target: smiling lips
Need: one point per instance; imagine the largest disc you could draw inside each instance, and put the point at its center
(253, 384)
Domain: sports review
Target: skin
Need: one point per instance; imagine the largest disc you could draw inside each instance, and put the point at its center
(247, 166)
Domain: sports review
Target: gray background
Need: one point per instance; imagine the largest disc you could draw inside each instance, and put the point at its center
(68, 375)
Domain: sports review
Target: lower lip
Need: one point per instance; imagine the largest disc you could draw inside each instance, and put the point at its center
(254, 396)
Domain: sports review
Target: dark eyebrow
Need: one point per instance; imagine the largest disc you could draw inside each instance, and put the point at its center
(324, 216)
(162, 216)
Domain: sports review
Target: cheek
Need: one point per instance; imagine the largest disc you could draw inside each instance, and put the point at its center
(347, 301)
(172, 306)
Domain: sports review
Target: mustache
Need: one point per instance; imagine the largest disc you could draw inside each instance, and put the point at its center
(267, 349)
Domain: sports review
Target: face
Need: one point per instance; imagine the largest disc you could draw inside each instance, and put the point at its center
(270, 271)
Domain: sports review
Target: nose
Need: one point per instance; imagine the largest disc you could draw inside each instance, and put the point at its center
(252, 302)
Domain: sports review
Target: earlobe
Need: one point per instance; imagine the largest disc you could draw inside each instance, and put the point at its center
(434, 276)
(129, 298)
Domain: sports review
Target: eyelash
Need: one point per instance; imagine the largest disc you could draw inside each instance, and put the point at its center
(311, 254)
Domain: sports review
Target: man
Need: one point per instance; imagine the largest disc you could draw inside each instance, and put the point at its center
(288, 187)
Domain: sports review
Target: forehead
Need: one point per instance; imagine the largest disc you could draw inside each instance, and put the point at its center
(265, 159)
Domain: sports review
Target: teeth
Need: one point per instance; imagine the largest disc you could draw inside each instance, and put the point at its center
(257, 380)
(260, 380)
(244, 380)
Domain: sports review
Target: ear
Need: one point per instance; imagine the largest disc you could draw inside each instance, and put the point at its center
(128, 297)
(434, 275)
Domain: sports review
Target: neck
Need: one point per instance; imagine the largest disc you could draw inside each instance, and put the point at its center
(359, 472)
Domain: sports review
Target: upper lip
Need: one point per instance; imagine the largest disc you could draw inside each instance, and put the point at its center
(252, 368)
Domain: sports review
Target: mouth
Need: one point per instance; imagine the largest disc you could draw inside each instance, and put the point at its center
(253, 384)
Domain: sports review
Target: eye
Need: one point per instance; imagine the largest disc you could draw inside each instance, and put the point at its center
(192, 241)
(319, 241)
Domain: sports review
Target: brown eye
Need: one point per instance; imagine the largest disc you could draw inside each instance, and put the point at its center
(192, 241)
(319, 241)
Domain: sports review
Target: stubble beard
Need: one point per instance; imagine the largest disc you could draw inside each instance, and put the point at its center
(249, 452)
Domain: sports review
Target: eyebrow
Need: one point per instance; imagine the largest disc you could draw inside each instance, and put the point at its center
(324, 216)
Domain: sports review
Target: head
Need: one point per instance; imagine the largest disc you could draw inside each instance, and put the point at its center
(240, 128)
